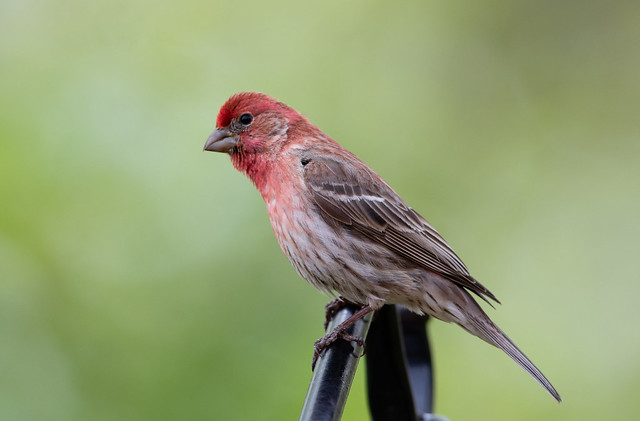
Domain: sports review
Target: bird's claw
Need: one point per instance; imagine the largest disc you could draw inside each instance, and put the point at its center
(324, 342)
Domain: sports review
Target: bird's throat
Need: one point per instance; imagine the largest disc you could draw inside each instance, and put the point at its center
(254, 166)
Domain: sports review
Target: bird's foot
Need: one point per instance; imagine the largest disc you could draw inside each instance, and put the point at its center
(321, 344)
(340, 332)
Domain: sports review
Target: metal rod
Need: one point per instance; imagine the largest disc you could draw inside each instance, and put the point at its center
(334, 372)
(388, 385)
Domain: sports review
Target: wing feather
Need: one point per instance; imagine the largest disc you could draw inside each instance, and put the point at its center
(354, 195)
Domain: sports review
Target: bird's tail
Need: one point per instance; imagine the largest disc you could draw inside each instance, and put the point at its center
(486, 330)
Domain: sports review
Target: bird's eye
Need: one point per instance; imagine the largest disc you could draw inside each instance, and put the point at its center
(246, 119)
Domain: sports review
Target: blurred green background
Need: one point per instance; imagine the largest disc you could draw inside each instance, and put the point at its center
(139, 277)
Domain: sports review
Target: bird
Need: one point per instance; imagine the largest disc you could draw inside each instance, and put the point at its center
(345, 230)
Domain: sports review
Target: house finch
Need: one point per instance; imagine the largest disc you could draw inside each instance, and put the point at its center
(344, 229)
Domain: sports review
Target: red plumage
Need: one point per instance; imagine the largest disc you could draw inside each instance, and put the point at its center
(343, 227)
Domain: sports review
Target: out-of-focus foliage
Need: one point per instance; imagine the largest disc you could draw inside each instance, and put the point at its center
(139, 278)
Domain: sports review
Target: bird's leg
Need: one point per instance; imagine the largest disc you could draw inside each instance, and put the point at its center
(333, 307)
(339, 333)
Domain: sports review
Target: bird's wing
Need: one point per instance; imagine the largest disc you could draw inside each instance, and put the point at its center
(354, 195)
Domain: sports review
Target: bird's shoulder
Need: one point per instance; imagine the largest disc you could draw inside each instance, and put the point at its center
(348, 189)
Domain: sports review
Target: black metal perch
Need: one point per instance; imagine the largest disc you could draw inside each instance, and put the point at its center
(399, 371)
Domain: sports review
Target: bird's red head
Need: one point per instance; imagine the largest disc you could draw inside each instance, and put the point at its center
(253, 129)
(250, 120)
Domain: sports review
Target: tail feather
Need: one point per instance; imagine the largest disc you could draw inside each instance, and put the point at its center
(492, 334)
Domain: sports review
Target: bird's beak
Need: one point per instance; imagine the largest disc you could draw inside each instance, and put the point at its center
(222, 140)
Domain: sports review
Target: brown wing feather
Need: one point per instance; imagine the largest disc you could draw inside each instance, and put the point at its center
(356, 196)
